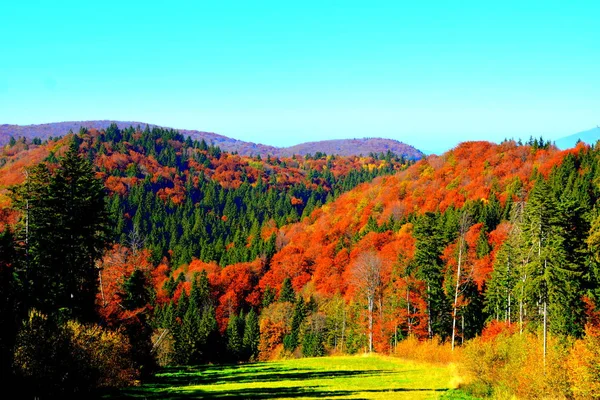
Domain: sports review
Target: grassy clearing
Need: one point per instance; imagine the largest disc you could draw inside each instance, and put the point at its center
(348, 377)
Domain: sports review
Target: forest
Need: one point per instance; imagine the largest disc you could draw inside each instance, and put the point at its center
(127, 250)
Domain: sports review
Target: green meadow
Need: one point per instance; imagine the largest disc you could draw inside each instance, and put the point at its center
(347, 377)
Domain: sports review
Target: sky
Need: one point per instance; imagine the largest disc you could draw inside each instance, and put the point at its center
(428, 73)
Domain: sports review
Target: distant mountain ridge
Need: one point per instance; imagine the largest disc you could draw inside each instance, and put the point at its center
(342, 147)
(590, 136)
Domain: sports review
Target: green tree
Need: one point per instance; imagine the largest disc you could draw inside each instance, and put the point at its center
(64, 229)
(251, 337)
(10, 307)
(291, 341)
(235, 336)
(429, 245)
(553, 275)
(287, 291)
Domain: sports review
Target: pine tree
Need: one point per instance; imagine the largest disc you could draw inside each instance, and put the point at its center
(251, 337)
(291, 341)
(187, 344)
(235, 336)
(287, 291)
(429, 245)
(64, 231)
(81, 232)
(268, 297)
(10, 307)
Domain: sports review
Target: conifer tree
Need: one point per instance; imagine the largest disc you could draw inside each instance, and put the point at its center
(235, 336)
(10, 307)
(251, 337)
(291, 341)
(429, 245)
(65, 231)
(287, 291)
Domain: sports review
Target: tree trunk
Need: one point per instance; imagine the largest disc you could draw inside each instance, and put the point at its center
(343, 327)
(408, 322)
(429, 332)
(456, 290)
(371, 304)
(545, 330)
(462, 336)
(545, 317)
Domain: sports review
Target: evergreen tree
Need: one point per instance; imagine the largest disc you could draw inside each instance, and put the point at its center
(291, 341)
(10, 307)
(287, 291)
(251, 337)
(135, 291)
(188, 342)
(235, 336)
(64, 232)
(429, 245)
(268, 297)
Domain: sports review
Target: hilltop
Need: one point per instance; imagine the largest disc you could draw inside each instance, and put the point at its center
(343, 147)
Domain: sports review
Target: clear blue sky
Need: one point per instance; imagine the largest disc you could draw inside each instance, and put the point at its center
(429, 73)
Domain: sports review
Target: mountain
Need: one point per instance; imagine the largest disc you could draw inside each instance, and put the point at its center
(55, 129)
(348, 147)
(343, 147)
(590, 137)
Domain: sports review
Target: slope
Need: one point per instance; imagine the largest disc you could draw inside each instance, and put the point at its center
(590, 137)
(343, 147)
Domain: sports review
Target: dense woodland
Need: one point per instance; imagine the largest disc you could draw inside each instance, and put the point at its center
(124, 250)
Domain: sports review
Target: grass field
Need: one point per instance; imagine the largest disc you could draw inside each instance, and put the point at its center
(348, 377)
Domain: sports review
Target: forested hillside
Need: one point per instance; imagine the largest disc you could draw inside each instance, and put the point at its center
(343, 147)
(201, 255)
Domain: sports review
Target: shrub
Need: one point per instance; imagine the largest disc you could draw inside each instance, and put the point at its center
(54, 358)
(583, 366)
(430, 350)
(512, 365)
(105, 353)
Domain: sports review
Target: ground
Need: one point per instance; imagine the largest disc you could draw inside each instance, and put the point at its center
(347, 377)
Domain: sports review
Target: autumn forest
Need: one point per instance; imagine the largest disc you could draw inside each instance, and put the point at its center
(123, 251)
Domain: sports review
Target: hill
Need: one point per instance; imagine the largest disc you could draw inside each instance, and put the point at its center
(348, 147)
(344, 147)
(234, 258)
(590, 137)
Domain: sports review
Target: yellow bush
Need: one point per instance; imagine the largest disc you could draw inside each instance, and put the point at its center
(55, 358)
(513, 366)
(106, 352)
(432, 351)
(583, 366)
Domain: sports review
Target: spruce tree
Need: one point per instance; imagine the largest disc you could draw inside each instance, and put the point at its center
(64, 231)
(10, 307)
(429, 245)
(287, 291)
(251, 337)
(235, 335)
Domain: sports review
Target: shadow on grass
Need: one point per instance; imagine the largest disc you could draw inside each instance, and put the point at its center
(314, 392)
(177, 383)
(202, 376)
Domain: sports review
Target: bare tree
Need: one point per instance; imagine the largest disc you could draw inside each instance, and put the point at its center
(367, 276)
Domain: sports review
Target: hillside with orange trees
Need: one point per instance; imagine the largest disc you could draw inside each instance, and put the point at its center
(210, 256)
